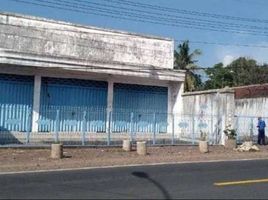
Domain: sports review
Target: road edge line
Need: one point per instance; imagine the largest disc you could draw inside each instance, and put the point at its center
(130, 165)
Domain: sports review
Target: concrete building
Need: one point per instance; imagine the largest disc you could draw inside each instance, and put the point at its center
(52, 70)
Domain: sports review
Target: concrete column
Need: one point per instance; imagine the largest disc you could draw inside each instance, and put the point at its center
(36, 102)
(225, 107)
(110, 97)
(170, 109)
(179, 106)
(175, 104)
(226, 110)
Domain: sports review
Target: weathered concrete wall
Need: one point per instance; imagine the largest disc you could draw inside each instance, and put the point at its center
(211, 102)
(221, 104)
(208, 111)
(59, 39)
(195, 104)
(247, 111)
(253, 107)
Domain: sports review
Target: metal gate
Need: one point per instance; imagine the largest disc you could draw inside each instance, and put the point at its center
(16, 99)
(66, 103)
(139, 108)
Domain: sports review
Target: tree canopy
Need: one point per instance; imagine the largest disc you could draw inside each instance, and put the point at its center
(184, 59)
(242, 71)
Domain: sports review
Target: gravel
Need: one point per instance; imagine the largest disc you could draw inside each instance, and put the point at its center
(39, 159)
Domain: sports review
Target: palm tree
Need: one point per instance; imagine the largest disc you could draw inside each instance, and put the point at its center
(185, 60)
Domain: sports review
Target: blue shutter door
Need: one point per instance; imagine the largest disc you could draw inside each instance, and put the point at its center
(16, 100)
(71, 97)
(144, 102)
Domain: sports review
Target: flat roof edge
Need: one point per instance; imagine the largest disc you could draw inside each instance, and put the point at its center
(223, 90)
(37, 18)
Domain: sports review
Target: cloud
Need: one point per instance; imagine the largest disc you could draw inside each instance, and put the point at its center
(227, 60)
(227, 54)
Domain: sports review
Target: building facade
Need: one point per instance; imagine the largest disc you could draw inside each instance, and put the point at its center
(68, 77)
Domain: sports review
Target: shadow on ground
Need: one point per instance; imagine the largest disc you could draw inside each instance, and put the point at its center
(161, 188)
(6, 137)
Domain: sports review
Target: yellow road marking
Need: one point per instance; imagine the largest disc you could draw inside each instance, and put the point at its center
(241, 182)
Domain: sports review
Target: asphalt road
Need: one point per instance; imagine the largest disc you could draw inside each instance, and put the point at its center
(153, 182)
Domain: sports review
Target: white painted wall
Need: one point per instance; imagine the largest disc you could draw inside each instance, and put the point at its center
(247, 111)
(216, 107)
(223, 107)
(252, 107)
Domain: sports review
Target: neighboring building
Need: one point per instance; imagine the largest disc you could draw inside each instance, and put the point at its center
(50, 66)
(251, 91)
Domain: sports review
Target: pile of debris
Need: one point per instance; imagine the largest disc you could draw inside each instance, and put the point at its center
(247, 146)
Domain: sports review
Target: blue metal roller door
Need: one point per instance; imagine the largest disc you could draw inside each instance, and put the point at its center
(148, 105)
(71, 98)
(16, 102)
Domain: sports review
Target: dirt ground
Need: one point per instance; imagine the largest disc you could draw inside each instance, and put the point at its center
(39, 159)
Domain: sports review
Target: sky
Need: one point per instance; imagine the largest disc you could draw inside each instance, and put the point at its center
(228, 30)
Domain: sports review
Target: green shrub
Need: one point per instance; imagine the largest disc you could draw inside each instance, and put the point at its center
(203, 136)
(230, 133)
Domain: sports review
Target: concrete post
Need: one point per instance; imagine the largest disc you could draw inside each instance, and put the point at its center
(126, 145)
(131, 126)
(56, 151)
(141, 148)
(173, 131)
(36, 102)
(230, 144)
(84, 123)
(57, 126)
(203, 146)
(28, 126)
(154, 129)
(222, 128)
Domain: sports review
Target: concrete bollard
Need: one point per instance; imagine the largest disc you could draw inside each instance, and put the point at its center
(56, 151)
(141, 148)
(230, 144)
(126, 145)
(203, 147)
